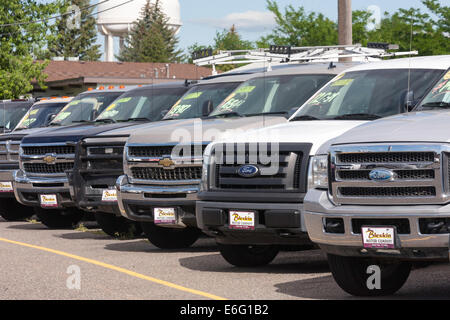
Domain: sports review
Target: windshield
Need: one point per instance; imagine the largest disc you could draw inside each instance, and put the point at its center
(277, 94)
(191, 104)
(151, 104)
(439, 96)
(368, 94)
(84, 107)
(39, 115)
(12, 112)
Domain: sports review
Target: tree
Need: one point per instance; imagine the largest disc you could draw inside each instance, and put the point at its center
(231, 40)
(295, 27)
(151, 39)
(73, 39)
(20, 38)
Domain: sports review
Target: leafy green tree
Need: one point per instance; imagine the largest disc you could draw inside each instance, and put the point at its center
(231, 40)
(76, 40)
(151, 39)
(20, 39)
(295, 27)
(360, 21)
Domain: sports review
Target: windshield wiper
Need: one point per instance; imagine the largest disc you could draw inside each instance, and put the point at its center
(440, 104)
(228, 114)
(305, 118)
(107, 120)
(266, 113)
(134, 119)
(81, 121)
(357, 116)
(54, 124)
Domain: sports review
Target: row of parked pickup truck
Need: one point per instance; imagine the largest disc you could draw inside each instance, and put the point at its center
(353, 157)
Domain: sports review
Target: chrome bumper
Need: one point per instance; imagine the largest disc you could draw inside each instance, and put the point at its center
(129, 195)
(27, 189)
(414, 245)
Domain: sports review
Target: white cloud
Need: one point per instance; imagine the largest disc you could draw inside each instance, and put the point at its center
(250, 21)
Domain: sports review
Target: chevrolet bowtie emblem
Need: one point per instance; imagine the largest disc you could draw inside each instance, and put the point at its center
(166, 162)
(49, 159)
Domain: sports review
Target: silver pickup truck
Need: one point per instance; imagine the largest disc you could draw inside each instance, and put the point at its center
(387, 204)
(160, 184)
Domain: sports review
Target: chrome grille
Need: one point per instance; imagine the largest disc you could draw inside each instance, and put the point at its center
(415, 174)
(48, 168)
(159, 151)
(9, 150)
(155, 173)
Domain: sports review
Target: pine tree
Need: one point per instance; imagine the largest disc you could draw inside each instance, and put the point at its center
(78, 41)
(151, 39)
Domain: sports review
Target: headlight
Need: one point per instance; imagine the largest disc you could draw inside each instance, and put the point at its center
(318, 172)
(206, 163)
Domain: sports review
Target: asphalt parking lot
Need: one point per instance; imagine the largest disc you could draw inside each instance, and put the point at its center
(35, 262)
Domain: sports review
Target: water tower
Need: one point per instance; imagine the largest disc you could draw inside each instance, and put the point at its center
(119, 21)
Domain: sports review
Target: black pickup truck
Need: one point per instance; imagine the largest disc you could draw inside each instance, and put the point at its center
(42, 182)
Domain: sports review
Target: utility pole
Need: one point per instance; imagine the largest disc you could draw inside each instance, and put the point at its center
(345, 24)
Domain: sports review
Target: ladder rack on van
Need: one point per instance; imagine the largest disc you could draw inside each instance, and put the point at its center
(284, 54)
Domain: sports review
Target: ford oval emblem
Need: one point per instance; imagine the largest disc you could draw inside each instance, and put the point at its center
(381, 175)
(248, 171)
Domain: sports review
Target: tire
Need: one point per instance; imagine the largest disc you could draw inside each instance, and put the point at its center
(248, 256)
(350, 273)
(170, 238)
(11, 210)
(117, 227)
(60, 218)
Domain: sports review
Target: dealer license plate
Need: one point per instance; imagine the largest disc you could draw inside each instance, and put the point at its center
(49, 200)
(164, 215)
(243, 220)
(6, 186)
(378, 237)
(109, 195)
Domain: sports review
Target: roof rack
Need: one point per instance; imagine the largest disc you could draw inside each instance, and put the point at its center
(284, 54)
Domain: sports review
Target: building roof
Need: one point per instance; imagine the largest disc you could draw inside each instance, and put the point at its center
(82, 72)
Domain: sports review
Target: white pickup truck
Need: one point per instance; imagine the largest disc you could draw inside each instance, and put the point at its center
(387, 203)
(253, 185)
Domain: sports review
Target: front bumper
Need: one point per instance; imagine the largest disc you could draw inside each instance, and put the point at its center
(28, 189)
(136, 202)
(412, 244)
(275, 223)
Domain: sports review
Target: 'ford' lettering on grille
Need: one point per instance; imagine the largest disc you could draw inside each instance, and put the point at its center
(381, 175)
(248, 171)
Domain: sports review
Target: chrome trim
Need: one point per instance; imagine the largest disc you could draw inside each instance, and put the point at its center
(438, 166)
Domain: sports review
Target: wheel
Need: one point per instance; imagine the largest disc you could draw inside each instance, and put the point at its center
(351, 274)
(248, 256)
(11, 210)
(170, 238)
(60, 218)
(117, 226)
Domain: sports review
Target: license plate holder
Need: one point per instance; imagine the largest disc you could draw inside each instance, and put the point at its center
(379, 237)
(242, 220)
(109, 195)
(165, 215)
(48, 200)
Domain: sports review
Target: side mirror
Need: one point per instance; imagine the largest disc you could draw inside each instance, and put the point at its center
(49, 118)
(207, 108)
(291, 112)
(409, 101)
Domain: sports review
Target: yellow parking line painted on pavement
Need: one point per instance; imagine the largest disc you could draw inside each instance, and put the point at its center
(119, 269)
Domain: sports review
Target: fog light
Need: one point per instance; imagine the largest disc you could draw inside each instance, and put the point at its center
(334, 225)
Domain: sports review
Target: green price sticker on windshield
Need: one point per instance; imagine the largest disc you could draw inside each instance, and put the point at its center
(123, 100)
(62, 115)
(246, 89)
(341, 83)
(193, 95)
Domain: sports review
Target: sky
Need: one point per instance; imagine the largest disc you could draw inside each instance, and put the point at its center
(203, 18)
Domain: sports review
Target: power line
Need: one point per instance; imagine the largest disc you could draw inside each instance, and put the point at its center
(89, 15)
(50, 18)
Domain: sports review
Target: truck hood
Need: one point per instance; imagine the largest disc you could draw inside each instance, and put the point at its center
(18, 135)
(315, 132)
(422, 126)
(200, 130)
(72, 133)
